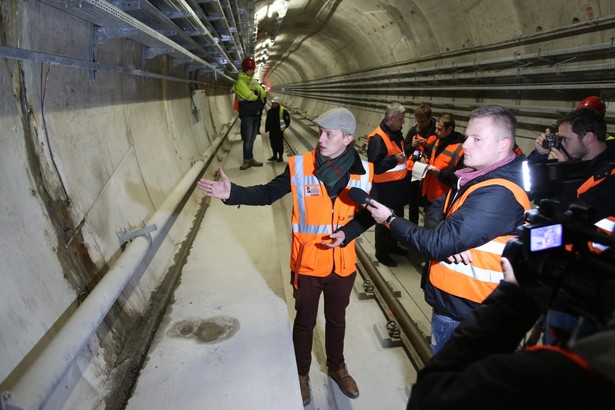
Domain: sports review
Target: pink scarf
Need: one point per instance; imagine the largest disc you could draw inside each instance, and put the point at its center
(468, 174)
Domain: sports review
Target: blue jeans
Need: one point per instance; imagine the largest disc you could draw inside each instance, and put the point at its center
(441, 330)
(249, 129)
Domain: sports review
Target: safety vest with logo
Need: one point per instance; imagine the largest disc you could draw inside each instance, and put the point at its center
(446, 160)
(315, 217)
(399, 171)
(282, 122)
(480, 277)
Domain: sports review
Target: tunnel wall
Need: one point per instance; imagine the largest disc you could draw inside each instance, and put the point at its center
(85, 155)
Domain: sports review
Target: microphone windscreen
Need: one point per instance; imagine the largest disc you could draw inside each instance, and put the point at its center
(358, 195)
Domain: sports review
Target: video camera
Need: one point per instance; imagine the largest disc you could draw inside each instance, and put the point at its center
(552, 141)
(546, 179)
(553, 250)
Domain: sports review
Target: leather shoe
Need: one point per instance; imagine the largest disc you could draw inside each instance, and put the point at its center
(385, 259)
(274, 158)
(255, 163)
(398, 250)
(304, 385)
(345, 382)
(245, 165)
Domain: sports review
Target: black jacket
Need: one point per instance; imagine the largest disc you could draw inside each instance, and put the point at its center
(488, 212)
(393, 194)
(481, 368)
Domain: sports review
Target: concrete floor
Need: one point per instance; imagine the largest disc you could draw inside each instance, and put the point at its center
(235, 287)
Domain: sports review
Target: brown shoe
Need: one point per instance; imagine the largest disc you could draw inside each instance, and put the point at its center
(304, 384)
(245, 165)
(255, 163)
(345, 382)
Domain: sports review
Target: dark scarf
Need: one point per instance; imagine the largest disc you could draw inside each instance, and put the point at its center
(330, 170)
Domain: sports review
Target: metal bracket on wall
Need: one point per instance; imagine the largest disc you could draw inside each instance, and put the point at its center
(125, 235)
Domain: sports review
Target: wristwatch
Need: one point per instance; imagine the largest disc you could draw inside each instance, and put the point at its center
(387, 223)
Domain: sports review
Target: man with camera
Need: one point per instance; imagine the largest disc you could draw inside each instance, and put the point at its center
(581, 142)
(581, 136)
(481, 367)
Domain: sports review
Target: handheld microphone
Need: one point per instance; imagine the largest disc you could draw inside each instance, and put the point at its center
(359, 196)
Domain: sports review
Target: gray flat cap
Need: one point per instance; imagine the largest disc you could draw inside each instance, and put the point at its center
(337, 119)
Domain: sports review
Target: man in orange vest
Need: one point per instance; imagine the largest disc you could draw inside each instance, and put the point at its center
(415, 142)
(385, 149)
(476, 219)
(325, 221)
(446, 157)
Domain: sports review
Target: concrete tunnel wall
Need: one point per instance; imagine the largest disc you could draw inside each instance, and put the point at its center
(86, 154)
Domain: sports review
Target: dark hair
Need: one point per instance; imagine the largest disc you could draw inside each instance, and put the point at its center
(585, 120)
(423, 111)
(447, 120)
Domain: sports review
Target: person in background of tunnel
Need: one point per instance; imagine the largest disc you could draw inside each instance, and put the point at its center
(446, 158)
(472, 223)
(251, 100)
(278, 119)
(415, 142)
(325, 222)
(260, 116)
(385, 149)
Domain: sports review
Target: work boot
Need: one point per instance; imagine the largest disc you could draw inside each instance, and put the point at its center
(345, 382)
(245, 165)
(304, 385)
(255, 163)
(385, 259)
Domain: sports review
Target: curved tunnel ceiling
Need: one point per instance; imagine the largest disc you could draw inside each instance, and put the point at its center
(321, 38)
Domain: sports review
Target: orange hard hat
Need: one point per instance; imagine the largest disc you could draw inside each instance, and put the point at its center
(595, 103)
(248, 63)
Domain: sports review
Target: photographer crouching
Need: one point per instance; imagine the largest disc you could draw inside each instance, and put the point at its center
(481, 368)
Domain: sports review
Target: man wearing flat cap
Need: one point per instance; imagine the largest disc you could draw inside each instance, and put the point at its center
(323, 257)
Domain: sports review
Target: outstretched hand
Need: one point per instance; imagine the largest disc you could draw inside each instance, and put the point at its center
(220, 189)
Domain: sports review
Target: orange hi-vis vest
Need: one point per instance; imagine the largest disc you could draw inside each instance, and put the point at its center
(478, 279)
(315, 217)
(399, 171)
(420, 149)
(447, 159)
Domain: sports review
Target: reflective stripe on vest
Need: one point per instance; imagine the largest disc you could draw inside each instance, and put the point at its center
(478, 279)
(447, 160)
(399, 171)
(282, 122)
(315, 217)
